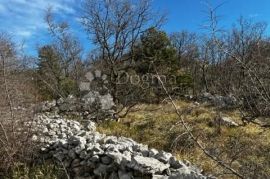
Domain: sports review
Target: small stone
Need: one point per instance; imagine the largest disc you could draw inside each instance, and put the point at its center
(163, 156)
(176, 164)
(97, 150)
(59, 156)
(159, 177)
(75, 163)
(226, 121)
(124, 175)
(113, 175)
(106, 160)
(148, 165)
(84, 155)
(72, 154)
(153, 152)
(78, 149)
(101, 170)
(34, 138)
(91, 126)
(95, 158)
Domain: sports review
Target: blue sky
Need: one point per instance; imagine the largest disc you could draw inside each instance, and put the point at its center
(23, 19)
(190, 14)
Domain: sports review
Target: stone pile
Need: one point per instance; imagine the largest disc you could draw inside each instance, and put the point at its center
(92, 106)
(218, 100)
(89, 154)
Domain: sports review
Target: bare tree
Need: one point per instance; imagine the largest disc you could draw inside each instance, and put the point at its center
(65, 53)
(187, 47)
(115, 27)
(65, 43)
(241, 66)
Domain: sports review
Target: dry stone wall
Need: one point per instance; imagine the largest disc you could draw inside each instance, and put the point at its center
(92, 106)
(87, 153)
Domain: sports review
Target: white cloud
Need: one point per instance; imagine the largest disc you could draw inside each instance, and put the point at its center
(24, 33)
(26, 17)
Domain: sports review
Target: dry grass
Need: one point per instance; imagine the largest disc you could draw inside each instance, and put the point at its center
(245, 148)
(47, 170)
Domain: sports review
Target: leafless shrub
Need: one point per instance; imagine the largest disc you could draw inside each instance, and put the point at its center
(233, 62)
(15, 93)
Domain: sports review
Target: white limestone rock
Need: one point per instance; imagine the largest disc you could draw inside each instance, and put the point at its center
(147, 165)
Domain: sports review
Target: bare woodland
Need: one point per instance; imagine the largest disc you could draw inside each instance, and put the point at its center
(129, 42)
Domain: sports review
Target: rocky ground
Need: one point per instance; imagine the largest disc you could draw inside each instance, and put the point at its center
(86, 153)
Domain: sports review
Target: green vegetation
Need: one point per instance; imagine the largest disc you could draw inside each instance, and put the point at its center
(47, 170)
(155, 52)
(156, 125)
(53, 80)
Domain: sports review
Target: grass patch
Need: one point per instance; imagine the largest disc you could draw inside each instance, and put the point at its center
(47, 170)
(244, 148)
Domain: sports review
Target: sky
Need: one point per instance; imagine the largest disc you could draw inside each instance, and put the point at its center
(24, 19)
